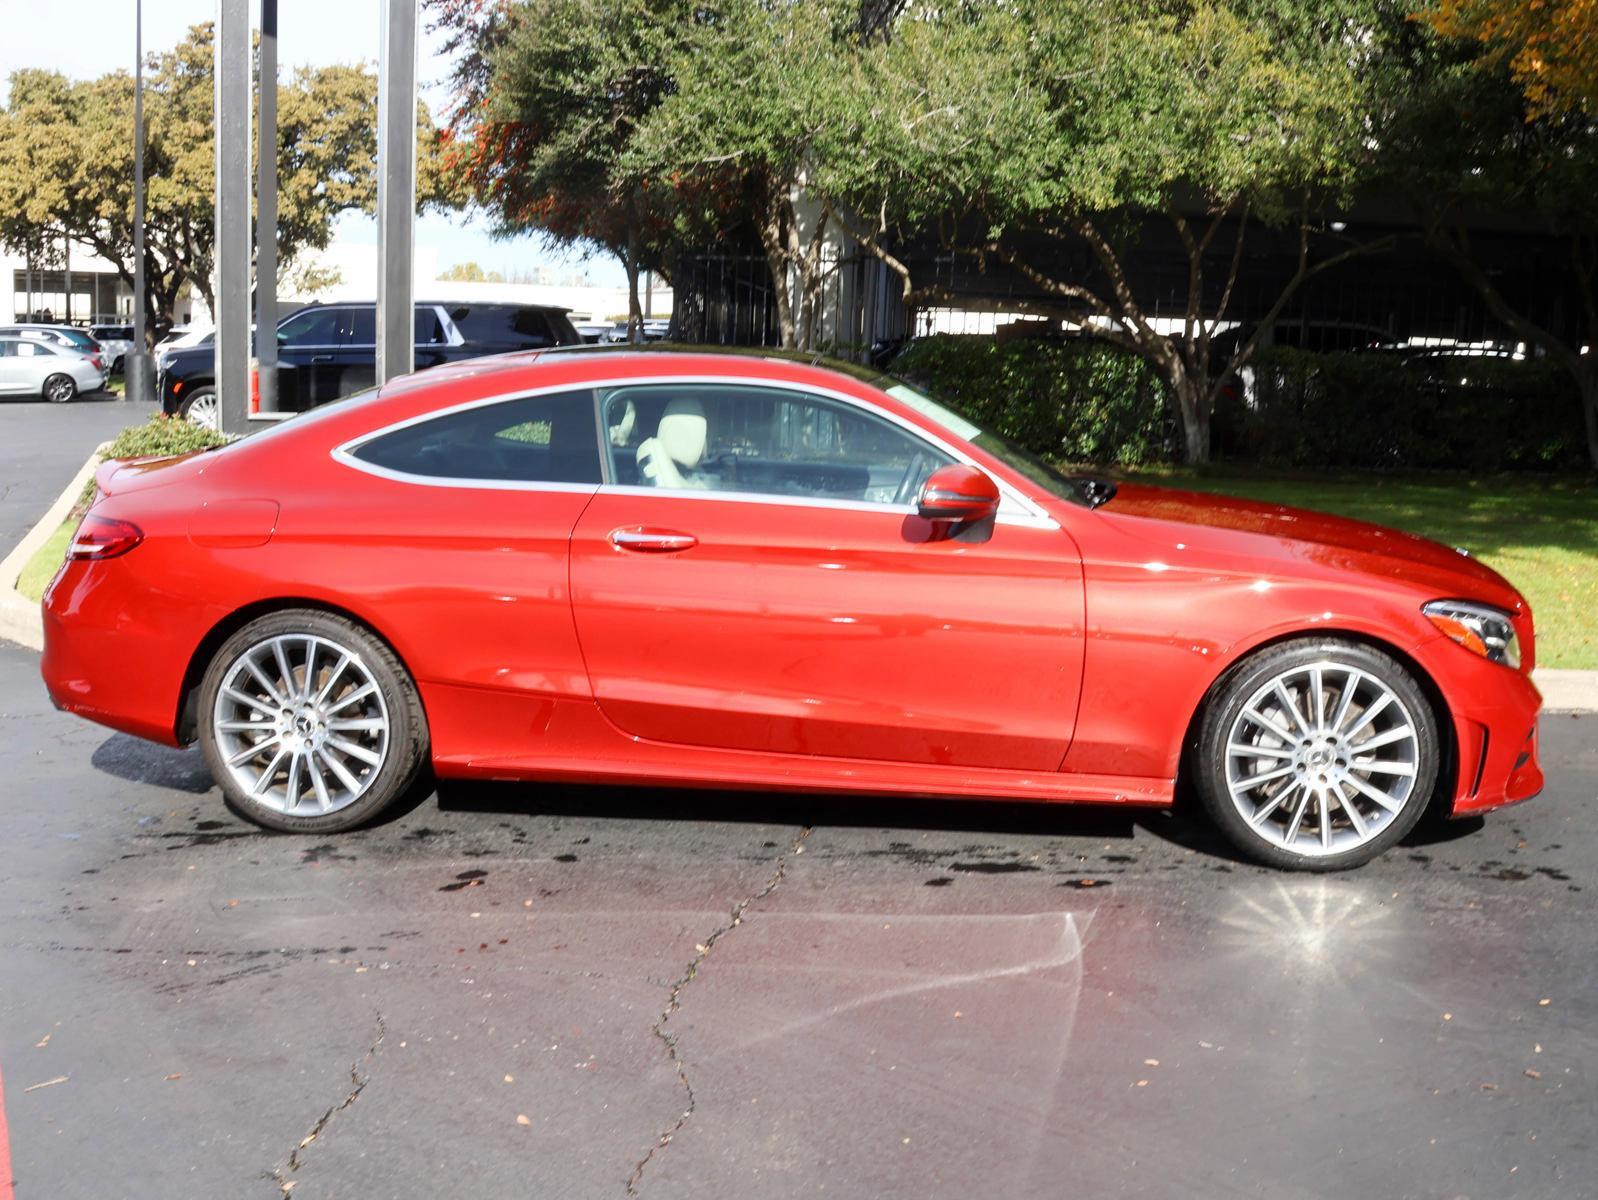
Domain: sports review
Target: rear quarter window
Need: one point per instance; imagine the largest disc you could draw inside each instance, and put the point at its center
(536, 439)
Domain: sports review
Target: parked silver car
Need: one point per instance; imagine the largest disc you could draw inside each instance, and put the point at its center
(116, 343)
(36, 367)
(58, 335)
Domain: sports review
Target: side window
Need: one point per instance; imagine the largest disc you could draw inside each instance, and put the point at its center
(34, 350)
(727, 438)
(358, 327)
(429, 331)
(8, 350)
(316, 327)
(538, 439)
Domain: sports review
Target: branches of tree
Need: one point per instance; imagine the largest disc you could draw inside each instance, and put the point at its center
(1043, 138)
(66, 164)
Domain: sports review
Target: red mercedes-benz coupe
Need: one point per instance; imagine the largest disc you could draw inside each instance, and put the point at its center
(733, 570)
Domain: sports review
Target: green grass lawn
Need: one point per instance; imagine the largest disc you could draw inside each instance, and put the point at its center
(47, 559)
(1539, 532)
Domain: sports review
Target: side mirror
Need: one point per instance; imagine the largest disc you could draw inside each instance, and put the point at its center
(958, 493)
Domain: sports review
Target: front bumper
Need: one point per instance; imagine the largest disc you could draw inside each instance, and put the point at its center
(1494, 712)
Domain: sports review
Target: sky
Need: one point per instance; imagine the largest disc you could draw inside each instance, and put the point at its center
(86, 38)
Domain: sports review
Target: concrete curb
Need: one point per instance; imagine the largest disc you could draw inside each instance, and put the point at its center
(20, 620)
(19, 617)
(1567, 691)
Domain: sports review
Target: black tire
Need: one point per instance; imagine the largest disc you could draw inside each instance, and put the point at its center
(199, 399)
(116, 367)
(1209, 761)
(60, 389)
(407, 747)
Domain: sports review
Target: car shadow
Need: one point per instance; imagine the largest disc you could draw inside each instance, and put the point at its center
(785, 808)
(138, 761)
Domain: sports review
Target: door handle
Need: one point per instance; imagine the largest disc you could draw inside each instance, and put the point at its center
(321, 358)
(646, 540)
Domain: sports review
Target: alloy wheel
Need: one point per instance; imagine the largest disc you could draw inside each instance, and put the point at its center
(301, 725)
(58, 389)
(204, 411)
(1322, 758)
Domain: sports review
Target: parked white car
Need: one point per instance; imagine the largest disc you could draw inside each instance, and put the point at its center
(33, 367)
(116, 343)
(180, 337)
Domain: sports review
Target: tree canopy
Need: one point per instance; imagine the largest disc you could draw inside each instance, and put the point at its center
(66, 164)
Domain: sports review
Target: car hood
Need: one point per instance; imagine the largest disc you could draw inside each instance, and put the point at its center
(1296, 535)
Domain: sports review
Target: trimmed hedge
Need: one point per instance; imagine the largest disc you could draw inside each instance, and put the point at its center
(1374, 411)
(1078, 401)
(1082, 401)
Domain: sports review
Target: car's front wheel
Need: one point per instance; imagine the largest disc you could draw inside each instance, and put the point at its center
(203, 409)
(1317, 755)
(309, 723)
(59, 389)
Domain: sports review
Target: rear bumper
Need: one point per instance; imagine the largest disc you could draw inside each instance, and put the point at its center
(116, 663)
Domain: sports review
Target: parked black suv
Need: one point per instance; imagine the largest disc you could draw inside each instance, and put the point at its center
(326, 351)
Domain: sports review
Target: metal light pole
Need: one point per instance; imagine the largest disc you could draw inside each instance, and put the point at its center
(136, 374)
(232, 290)
(266, 215)
(396, 189)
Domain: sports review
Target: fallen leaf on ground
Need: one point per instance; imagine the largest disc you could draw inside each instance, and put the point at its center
(47, 1083)
(1151, 1062)
(523, 1119)
(1545, 1002)
(508, 1079)
(1531, 1074)
(175, 1075)
(40, 1045)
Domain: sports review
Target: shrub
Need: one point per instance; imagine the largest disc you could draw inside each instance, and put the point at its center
(1375, 410)
(1078, 401)
(163, 435)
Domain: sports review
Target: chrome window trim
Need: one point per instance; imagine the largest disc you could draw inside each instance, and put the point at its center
(1024, 513)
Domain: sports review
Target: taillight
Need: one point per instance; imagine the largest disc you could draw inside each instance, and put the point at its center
(104, 537)
(94, 361)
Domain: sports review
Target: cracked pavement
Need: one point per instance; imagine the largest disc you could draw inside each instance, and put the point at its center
(586, 990)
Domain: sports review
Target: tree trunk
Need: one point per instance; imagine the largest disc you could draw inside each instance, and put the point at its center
(1587, 385)
(1193, 404)
(635, 310)
(773, 223)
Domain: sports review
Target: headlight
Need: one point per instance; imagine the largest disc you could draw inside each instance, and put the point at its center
(1479, 627)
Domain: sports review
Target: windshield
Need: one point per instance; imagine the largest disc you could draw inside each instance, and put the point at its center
(1050, 478)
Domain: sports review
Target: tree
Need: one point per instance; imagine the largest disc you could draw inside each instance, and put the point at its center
(548, 97)
(470, 272)
(1040, 131)
(1550, 47)
(751, 107)
(66, 164)
(1465, 143)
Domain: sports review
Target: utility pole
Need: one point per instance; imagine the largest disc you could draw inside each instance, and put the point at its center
(136, 375)
(232, 290)
(396, 189)
(266, 215)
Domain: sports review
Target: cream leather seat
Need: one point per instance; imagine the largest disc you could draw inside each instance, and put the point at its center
(669, 459)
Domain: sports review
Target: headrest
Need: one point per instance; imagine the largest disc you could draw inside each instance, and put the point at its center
(683, 431)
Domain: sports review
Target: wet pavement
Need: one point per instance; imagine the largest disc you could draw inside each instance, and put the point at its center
(529, 991)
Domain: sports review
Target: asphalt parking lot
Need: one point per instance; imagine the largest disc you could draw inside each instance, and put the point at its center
(585, 992)
(42, 444)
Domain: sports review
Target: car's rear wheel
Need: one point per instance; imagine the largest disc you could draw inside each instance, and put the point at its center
(1317, 755)
(203, 409)
(59, 389)
(309, 723)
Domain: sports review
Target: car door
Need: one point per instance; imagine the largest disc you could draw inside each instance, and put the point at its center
(355, 362)
(307, 349)
(13, 377)
(772, 589)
